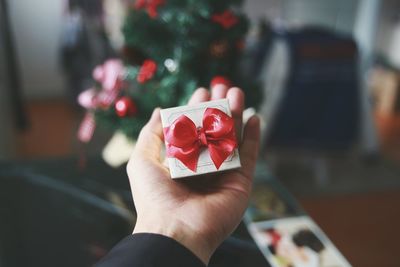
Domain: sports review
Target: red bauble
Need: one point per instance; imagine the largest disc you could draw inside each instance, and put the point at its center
(220, 80)
(147, 71)
(150, 5)
(125, 107)
(226, 19)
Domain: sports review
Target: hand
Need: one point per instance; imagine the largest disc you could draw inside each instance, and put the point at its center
(199, 212)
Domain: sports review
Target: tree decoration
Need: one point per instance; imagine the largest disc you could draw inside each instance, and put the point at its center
(125, 107)
(147, 71)
(219, 48)
(170, 64)
(104, 98)
(220, 80)
(226, 19)
(87, 99)
(164, 59)
(86, 128)
(150, 6)
(109, 74)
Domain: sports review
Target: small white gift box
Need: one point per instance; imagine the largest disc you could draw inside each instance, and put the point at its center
(200, 148)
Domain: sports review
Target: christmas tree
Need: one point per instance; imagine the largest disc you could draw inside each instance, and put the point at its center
(171, 48)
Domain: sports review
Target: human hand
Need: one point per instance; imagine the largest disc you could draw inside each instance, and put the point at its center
(202, 211)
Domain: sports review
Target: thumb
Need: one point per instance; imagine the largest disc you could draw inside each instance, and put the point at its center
(150, 140)
(250, 146)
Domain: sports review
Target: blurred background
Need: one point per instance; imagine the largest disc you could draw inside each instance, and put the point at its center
(329, 72)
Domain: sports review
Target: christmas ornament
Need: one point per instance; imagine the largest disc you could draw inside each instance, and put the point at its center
(170, 48)
(220, 80)
(140, 4)
(147, 71)
(170, 64)
(200, 139)
(125, 107)
(118, 150)
(86, 128)
(219, 48)
(104, 98)
(150, 6)
(226, 19)
(109, 74)
(92, 99)
(87, 98)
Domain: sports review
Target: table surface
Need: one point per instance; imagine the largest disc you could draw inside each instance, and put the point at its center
(42, 194)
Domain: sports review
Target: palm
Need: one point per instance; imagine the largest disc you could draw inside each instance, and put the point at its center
(209, 205)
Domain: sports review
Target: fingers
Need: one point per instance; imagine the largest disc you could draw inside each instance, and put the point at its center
(219, 91)
(235, 97)
(200, 95)
(150, 139)
(250, 146)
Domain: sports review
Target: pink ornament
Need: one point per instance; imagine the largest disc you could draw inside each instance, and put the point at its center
(98, 73)
(86, 129)
(109, 74)
(87, 99)
(104, 98)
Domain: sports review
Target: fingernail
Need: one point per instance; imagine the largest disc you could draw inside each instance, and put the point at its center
(254, 119)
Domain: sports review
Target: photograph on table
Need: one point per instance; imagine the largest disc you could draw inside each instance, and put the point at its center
(295, 242)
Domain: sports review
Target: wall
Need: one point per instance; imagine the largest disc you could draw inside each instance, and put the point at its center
(37, 28)
(338, 14)
(389, 24)
(6, 122)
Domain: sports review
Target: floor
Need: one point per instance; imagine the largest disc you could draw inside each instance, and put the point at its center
(358, 208)
(364, 227)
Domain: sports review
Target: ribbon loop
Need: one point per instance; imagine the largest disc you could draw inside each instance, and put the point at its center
(185, 141)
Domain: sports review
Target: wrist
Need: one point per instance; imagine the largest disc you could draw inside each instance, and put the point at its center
(178, 231)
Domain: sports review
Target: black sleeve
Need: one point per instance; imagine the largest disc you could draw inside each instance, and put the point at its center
(149, 250)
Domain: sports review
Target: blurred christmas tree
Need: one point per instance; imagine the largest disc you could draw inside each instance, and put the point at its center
(171, 48)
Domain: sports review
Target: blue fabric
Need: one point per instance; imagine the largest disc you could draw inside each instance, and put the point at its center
(320, 105)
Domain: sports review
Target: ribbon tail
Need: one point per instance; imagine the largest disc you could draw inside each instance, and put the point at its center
(220, 153)
(188, 158)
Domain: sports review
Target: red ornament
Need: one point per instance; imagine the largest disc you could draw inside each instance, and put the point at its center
(226, 19)
(147, 71)
(150, 6)
(220, 80)
(125, 107)
(139, 4)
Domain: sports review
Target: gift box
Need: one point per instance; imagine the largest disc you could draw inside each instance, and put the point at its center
(200, 139)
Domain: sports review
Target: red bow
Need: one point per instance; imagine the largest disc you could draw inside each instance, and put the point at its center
(184, 140)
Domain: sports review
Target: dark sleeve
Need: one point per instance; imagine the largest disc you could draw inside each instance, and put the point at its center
(149, 250)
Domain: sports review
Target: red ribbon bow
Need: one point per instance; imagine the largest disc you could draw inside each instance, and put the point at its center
(185, 141)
